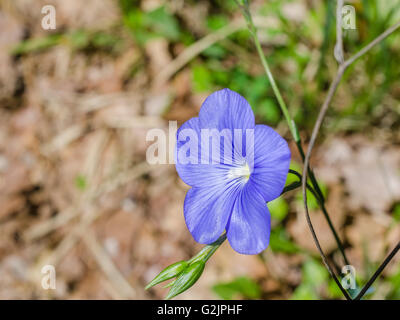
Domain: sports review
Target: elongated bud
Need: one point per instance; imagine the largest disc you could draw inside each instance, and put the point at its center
(186, 279)
(170, 284)
(169, 272)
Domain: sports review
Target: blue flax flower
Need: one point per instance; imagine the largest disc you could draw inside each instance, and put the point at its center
(230, 189)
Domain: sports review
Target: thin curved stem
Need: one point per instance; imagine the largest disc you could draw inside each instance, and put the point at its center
(378, 272)
(332, 89)
(324, 258)
(321, 202)
(322, 205)
(297, 184)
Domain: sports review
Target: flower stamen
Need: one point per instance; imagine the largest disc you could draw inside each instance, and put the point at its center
(242, 172)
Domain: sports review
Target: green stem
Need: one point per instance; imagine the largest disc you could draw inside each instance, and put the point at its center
(275, 88)
(208, 250)
(321, 202)
(319, 197)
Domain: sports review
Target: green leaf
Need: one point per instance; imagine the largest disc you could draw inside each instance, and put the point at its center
(186, 279)
(147, 25)
(396, 212)
(278, 208)
(243, 286)
(216, 22)
(81, 182)
(36, 44)
(79, 39)
(314, 272)
(291, 177)
(314, 275)
(215, 51)
(201, 78)
(279, 241)
(304, 292)
(269, 110)
(334, 290)
(169, 272)
(163, 23)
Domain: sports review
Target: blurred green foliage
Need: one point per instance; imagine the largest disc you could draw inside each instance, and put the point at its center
(312, 203)
(396, 212)
(243, 287)
(280, 242)
(145, 26)
(81, 182)
(395, 285)
(314, 277)
(80, 40)
(279, 208)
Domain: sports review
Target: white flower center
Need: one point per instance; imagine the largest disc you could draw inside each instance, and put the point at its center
(242, 172)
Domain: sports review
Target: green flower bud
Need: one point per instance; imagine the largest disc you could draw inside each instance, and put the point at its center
(170, 284)
(186, 279)
(169, 272)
